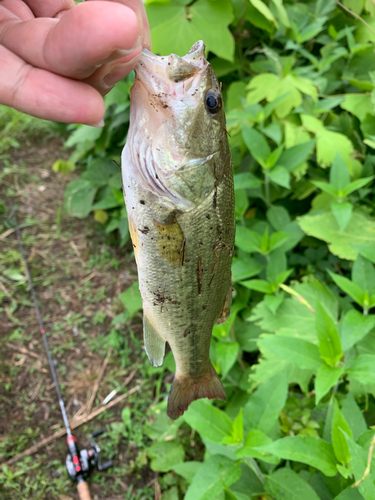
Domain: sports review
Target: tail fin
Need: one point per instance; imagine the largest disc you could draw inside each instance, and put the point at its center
(186, 390)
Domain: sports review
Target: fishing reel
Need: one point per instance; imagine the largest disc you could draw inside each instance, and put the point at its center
(80, 463)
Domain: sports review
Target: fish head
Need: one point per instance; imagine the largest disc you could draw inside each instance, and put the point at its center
(177, 108)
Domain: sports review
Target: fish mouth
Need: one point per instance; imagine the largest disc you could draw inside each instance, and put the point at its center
(157, 73)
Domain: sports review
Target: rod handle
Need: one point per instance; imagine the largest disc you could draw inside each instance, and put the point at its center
(83, 491)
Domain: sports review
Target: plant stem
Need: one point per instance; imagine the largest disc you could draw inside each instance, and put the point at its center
(267, 190)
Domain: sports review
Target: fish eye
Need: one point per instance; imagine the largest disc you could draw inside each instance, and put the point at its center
(213, 101)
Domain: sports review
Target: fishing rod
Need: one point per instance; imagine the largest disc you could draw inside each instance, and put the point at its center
(79, 463)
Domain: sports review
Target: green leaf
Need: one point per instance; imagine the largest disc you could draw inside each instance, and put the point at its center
(359, 231)
(274, 156)
(262, 410)
(359, 463)
(349, 494)
(63, 166)
(226, 356)
(294, 156)
(294, 350)
(354, 416)
(329, 340)
(277, 240)
(363, 275)
(210, 422)
(132, 299)
(342, 213)
(278, 217)
(187, 470)
(326, 378)
(285, 484)
(216, 474)
(339, 176)
(327, 188)
(248, 240)
(254, 440)
(99, 171)
(339, 443)
(348, 287)
(205, 14)
(176, 28)
(306, 449)
(113, 199)
(276, 265)
(282, 13)
(329, 143)
(280, 176)
(245, 268)
(264, 10)
(357, 184)
(367, 251)
(363, 369)
(358, 104)
(79, 196)
(256, 144)
(246, 180)
(165, 454)
(258, 285)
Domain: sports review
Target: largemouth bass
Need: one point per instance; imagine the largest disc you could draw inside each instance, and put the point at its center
(178, 187)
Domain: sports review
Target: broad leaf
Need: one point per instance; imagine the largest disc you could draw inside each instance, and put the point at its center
(216, 474)
(262, 409)
(347, 286)
(342, 212)
(256, 144)
(294, 350)
(329, 340)
(339, 443)
(359, 463)
(354, 416)
(172, 30)
(354, 327)
(254, 440)
(210, 422)
(363, 369)
(79, 197)
(287, 484)
(308, 450)
(326, 378)
(339, 176)
(359, 231)
(165, 454)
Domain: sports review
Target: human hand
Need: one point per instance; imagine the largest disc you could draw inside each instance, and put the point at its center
(58, 59)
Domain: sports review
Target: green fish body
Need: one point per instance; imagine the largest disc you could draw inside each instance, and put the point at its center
(178, 187)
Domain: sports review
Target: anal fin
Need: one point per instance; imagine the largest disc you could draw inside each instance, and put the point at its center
(154, 343)
(225, 312)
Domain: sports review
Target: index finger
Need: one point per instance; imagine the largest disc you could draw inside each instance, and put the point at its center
(75, 45)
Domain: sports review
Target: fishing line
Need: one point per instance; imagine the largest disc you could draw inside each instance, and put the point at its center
(79, 463)
(41, 326)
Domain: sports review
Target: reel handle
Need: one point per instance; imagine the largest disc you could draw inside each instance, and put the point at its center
(83, 491)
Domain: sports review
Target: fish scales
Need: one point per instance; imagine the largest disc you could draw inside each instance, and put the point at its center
(178, 187)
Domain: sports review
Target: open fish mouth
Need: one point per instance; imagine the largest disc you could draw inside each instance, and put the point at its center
(160, 73)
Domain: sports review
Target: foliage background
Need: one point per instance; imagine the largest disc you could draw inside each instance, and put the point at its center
(297, 355)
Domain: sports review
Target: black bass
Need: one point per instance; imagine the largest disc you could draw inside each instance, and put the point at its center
(178, 187)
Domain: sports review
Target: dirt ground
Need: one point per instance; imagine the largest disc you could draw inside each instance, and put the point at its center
(77, 278)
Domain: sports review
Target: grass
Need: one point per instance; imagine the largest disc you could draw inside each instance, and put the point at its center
(17, 127)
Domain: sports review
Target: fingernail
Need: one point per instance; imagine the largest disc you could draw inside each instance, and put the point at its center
(99, 124)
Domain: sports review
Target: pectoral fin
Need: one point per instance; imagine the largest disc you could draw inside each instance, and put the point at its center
(225, 312)
(155, 345)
